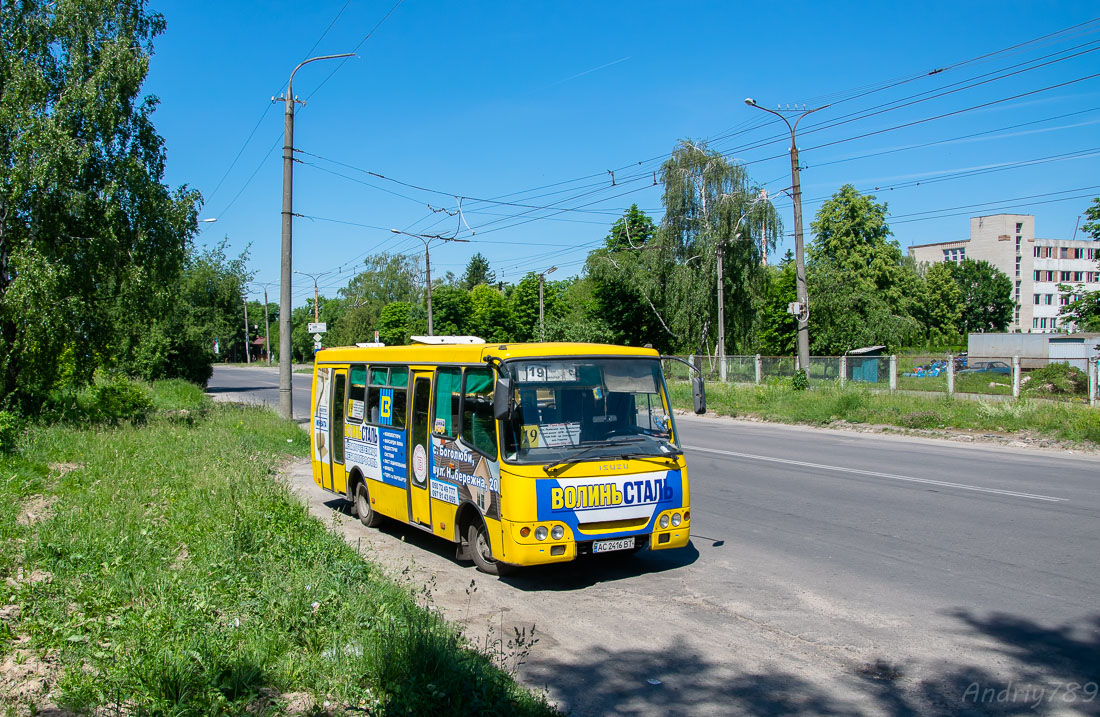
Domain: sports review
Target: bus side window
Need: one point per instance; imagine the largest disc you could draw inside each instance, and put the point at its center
(399, 379)
(447, 384)
(357, 392)
(379, 377)
(478, 425)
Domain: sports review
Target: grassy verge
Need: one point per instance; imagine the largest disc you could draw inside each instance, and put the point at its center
(162, 569)
(856, 404)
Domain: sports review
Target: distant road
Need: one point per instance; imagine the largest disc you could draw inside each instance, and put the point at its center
(259, 384)
(830, 572)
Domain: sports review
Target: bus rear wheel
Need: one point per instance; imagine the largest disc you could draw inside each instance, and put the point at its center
(366, 514)
(482, 552)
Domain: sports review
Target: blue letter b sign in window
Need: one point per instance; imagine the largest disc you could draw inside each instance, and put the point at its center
(385, 407)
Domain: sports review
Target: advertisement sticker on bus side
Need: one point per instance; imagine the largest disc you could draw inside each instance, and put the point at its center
(379, 453)
(459, 475)
(599, 498)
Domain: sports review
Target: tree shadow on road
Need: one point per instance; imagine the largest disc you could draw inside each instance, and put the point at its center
(1038, 670)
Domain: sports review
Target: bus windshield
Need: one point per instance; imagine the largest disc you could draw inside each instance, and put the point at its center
(601, 408)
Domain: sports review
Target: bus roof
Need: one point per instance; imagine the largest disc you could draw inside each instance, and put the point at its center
(472, 353)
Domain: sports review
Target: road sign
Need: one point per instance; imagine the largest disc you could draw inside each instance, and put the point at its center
(316, 338)
(318, 328)
(316, 345)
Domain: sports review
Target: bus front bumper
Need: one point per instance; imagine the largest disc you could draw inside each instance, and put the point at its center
(518, 551)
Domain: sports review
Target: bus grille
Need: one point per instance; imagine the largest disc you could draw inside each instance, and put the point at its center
(613, 526)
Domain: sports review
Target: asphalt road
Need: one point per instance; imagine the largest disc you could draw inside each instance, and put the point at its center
(829, 572)
(259, 384)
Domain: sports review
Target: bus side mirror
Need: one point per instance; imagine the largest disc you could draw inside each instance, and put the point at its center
(502, 399)
(699, 395)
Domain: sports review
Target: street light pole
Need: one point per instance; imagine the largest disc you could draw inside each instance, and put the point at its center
(427, 240)
(247, 351)
(800, 264)
(316, 297)
(267, 322)
(542, 279)
(286, 396)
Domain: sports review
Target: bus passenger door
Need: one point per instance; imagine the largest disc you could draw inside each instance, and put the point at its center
(420, 445)
(337, 479)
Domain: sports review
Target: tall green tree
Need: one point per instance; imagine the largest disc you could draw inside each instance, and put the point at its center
(477, 272)
(623, 291)
(851, 233)
(943, 299)
(846, 315)
(524, 301)
(577, 317)
(986, 296)
(633, 230)
(490, 314)
(91, 241)
(452, 308)
(710, 203)
(777, 326)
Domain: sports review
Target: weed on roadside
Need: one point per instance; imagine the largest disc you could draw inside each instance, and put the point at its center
(185, 579)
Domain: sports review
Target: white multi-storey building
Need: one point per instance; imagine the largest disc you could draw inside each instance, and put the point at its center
(1036, 266)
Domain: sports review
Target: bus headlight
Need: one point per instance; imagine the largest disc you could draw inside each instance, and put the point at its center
(557, 532)
(664, 521)
(675, 520)
(540, 532)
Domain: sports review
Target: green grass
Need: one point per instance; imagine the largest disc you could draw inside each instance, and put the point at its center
(857, 404)
(174, 575)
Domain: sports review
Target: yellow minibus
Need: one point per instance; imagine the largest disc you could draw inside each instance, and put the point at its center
(521, 454)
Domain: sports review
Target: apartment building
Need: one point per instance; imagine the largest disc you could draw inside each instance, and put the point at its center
(1036, 266)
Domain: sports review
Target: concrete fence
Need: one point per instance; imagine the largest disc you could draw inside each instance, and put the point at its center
(947, 374)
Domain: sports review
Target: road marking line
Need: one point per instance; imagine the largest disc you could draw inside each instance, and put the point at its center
(876, 474)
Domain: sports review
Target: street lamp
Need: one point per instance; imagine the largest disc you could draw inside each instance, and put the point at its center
(315, 277)
(800, 265)
(542, 280)
(427, 239)
(267, 323)
(286, 395)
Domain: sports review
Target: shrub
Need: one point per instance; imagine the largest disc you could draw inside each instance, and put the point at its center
(10, 428)
(1004, 409)
(115, 399)
(1058, 379)
(799, 381)
(848, 402)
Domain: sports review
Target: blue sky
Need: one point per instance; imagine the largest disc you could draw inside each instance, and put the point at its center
(488, 100)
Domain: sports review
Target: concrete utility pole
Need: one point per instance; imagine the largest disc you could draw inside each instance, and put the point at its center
(286, 396)
(247, 352)
(427, 239)
(799, 261)
(542, 279)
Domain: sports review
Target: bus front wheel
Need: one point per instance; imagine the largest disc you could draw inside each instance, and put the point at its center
(482, 552)
(366, 514)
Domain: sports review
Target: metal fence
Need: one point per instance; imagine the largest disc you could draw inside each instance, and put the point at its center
(1073, 380)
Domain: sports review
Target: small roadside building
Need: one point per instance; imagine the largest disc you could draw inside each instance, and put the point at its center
(863, 364)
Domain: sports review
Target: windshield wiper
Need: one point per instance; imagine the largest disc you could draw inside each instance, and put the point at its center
(577, 458)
